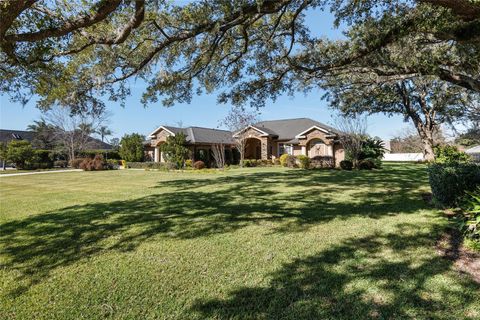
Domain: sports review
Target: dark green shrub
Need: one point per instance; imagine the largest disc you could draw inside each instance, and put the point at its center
(469, 221)
(372, 148)
(450, 182)
(199, 165)
(346, 165)
(107, 154)
(60, 163)
(21, 153)
(450, 155)
(131, 147)
(44, 158)
(175, 150)
(113, 164)
(320, 162)
(147, 165)
(366, 164)
(303, 161)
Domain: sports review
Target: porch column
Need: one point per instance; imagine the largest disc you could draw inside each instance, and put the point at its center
(330, 150)
(156, 154)
(304, 150)
(264, 148)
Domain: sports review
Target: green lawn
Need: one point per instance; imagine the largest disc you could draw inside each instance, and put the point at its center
(264, 243)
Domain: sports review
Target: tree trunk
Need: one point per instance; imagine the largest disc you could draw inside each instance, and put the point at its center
(426, 134)
(428, 153)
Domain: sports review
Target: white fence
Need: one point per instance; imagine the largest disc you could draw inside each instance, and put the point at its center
(413, 157)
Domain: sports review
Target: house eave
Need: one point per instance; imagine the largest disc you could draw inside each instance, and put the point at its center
(152, 135)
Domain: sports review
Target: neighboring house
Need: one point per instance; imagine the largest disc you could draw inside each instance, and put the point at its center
(474, 153)
(265, 140)
(8, 135)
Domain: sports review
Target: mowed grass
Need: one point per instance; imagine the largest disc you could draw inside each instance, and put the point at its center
(260, 243)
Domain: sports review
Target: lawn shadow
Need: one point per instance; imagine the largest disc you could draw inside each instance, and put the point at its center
(191, 208)
(374, 277)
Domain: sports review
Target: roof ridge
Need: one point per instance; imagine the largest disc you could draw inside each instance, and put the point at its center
(209, 128)
(286, 119)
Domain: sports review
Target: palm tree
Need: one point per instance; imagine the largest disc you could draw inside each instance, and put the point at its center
(44, 134)
(103, 131)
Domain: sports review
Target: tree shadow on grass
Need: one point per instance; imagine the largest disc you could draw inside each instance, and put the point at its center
(37, 245)
(374, 277)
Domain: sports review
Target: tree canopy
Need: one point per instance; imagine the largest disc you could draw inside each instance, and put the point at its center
(75, 53)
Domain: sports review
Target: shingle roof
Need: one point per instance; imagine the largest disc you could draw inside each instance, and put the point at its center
(9, 135)
(203, 135)
(287, 129)
(207, 135)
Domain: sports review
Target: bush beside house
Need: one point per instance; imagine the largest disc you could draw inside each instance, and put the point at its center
(131, 147)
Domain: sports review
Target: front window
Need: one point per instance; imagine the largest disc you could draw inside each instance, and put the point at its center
(285, 148)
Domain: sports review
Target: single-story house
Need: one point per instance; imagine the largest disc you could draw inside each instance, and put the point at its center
(474, 152)
(264, 140)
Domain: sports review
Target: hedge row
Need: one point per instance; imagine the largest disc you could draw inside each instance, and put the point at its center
(449, 182)
(147, 165)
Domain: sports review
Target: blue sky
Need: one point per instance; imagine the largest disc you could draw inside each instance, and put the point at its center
(203, 111)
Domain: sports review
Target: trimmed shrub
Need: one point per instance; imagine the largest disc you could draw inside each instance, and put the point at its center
(450, 155)
(146, 165)
(319, 162)
(366, 164)
(346, 165)
(113, 164)
(283, 159)
(107, 154)
(199, 165)
(44, 159)
(21, 153)
(60, 163)
(450, 182)
(188, 163)
(75, 163)
(304, 161)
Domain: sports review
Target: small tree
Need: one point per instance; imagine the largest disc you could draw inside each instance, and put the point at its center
(353, 132)
(174, 150)
(236, 121)
(72, 131)
(131, 147)
(21, 153)
(218, 151)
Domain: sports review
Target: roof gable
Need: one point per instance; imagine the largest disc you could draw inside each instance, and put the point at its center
(288, 129)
